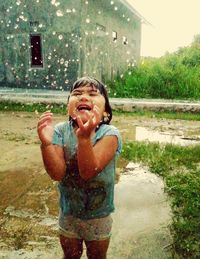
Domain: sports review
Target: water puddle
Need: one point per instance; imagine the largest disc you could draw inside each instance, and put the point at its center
(138, 133)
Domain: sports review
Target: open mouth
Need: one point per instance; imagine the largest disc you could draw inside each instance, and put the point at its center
(84, 107)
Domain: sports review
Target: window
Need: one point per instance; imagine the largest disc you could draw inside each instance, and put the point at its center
(125, 40)
(114, 36)
(100, 27)
(36, 51)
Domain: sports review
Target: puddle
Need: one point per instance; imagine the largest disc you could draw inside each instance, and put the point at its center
(152, 135)
(144, 134)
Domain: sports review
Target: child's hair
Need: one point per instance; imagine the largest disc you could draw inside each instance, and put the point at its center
(83, 81)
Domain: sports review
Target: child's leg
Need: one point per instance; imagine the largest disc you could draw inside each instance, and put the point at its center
(97, 249)
(72, 247)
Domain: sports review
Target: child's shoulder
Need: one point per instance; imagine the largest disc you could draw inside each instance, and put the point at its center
(107, 129)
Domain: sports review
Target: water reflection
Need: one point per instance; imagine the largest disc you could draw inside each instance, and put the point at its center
(151, 135)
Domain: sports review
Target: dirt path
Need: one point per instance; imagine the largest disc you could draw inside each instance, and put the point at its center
(28, 204)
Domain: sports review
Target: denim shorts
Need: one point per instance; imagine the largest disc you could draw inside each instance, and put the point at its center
(88, 230)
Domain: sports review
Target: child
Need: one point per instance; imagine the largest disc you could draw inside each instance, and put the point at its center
(81, 155)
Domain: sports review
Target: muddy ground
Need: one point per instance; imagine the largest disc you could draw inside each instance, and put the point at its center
(28, 204)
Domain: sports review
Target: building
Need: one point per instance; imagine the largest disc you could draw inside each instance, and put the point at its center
(50, 43)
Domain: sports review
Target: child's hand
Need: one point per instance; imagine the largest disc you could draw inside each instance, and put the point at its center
(86, 129)
(45, 128)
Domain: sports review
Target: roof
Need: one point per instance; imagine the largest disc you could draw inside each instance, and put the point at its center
(132, 9)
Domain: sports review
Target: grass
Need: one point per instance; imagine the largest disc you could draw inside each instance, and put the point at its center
(61, 109)
(179, 167)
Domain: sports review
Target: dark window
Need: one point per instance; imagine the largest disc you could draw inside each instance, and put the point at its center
(114, 36)
(125, 40)
(100, 27)
(36, 51)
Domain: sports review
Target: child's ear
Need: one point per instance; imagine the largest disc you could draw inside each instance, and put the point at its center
(105, 117)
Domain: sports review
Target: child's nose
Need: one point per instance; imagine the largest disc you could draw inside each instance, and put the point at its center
(84, 97)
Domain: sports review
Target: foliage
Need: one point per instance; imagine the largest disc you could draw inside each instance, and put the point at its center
(173, 76)
(179, 167)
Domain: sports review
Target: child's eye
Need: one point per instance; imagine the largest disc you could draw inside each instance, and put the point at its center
(94, 94)
(75, 94)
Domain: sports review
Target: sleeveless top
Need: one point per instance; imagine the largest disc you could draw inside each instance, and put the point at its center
(85, 199)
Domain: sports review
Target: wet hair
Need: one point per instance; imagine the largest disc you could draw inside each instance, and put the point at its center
(93, 82)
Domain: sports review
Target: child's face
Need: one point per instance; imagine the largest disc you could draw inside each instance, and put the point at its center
(83, 99)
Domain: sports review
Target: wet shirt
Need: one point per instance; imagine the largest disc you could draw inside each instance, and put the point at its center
(85, 199)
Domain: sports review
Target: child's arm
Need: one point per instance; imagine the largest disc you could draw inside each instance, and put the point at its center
(53, 155)
(92, 159)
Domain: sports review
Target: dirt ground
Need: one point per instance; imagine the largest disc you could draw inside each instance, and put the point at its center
(28, 204)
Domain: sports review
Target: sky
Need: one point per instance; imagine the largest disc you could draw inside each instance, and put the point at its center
(174, 24)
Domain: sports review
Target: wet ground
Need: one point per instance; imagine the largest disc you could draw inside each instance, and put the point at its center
(28, 204)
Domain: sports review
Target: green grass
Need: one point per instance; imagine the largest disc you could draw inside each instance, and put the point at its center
(32, 107)
(179, 167)
(61, 109)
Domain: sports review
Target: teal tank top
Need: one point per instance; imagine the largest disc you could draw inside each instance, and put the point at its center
(89, 199)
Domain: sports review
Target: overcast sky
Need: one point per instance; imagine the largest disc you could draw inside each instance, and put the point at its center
(174, 24)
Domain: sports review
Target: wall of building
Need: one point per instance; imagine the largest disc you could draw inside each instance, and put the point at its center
(104, 57)
(76, 39)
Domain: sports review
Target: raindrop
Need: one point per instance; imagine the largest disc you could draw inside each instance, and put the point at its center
(40, 25)
(86, 2)
(87, 20)
(53, 32)
(128, 19)
(59, 13)
(61, 60)
(68, 11)
(73, 10)
(99, 12)
(111, 2)
(116, 8)
(121, 75)
(18, 2)
(86, 33)
(66, 45)
(60, 37)
(53, 2)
